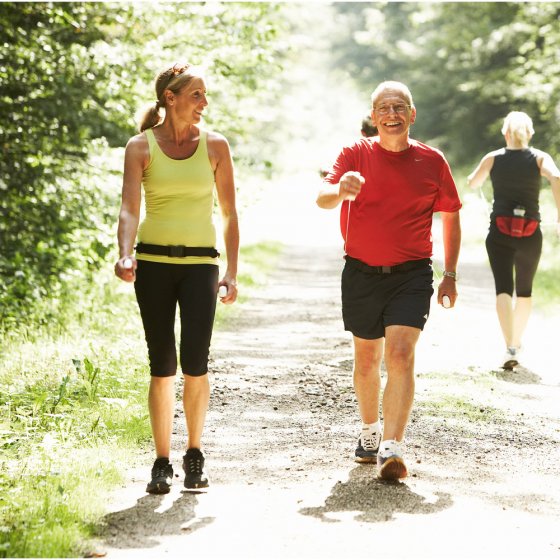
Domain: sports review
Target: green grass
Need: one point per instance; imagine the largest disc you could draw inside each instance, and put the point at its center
(72, 418)
(463, 409)
(74, 415)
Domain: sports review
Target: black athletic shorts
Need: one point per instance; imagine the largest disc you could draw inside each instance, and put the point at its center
(372, 301)
(507, 254)
(159, 288)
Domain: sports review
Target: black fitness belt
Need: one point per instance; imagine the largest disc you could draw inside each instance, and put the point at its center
(176, 250)
(403, 267)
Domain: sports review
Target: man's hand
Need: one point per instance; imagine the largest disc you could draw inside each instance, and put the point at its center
(350, 185)
(448, 287)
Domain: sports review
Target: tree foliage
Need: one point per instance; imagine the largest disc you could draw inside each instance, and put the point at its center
(467, 63)
(72, 76)
(52, 107)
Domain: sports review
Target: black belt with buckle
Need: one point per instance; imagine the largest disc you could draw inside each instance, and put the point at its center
(176, 250)
(403, 267)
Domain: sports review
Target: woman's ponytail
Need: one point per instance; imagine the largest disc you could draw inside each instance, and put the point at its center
(150, 118)
(174, 79)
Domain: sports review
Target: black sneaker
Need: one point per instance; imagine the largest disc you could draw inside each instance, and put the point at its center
(368, 446)
(162, 476)
(193, 465)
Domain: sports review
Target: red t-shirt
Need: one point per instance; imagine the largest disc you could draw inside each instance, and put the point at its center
(390, 222)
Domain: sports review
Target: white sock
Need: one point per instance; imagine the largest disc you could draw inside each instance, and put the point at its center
(371, 436)
(390, 447)
(371, 429)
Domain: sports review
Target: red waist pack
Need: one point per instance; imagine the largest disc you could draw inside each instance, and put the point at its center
(516, 226)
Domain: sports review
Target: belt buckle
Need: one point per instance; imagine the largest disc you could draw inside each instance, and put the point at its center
(386, 270)
(176, 251)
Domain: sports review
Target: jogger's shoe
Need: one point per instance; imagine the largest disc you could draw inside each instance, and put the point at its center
(368, 446)
(193, 465)
(390, 463)
(162, 476)
(511, 359)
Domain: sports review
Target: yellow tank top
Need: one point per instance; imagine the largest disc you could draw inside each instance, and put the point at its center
(179, 199)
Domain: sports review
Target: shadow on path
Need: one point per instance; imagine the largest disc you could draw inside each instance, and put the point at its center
(373, 501)
(520, 375)
(142, 524)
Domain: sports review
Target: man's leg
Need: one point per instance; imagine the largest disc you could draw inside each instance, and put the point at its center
(367, 363)
(400, 344)
(367, 381)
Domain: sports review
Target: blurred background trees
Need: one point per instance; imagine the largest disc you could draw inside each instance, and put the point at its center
(467, 63)
(73, 76)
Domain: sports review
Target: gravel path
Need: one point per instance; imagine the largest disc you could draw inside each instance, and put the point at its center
(482, 446)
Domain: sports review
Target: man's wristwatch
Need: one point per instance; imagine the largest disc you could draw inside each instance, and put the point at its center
(450, 274)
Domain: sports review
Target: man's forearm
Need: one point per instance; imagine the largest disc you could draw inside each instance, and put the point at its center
(451, 239)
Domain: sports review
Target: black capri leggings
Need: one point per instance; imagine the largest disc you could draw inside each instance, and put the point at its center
(159, 287)
(507, 253)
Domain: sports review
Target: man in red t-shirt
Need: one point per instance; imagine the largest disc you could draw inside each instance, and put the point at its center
(390, 186)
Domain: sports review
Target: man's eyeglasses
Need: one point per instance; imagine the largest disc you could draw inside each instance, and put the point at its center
(399, 108)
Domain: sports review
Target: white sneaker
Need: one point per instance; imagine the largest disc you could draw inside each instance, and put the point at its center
(368, 445)
(390, 462)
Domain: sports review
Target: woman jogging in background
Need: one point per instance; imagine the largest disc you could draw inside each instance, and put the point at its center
(179, 164)
(514, 240)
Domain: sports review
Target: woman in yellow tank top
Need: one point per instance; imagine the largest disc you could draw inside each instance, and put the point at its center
(180, 166)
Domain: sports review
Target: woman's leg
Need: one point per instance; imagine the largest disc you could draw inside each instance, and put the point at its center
(527, 259)
(521, 314)
(197, 302)
(501, 257)
(196, 397)
(161, 403)
(157, 301)
(504, 308)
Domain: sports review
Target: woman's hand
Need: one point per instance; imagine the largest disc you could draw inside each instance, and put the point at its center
(125, 268)
(231, 294)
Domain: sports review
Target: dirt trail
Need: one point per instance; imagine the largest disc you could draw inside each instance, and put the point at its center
(482, 447)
